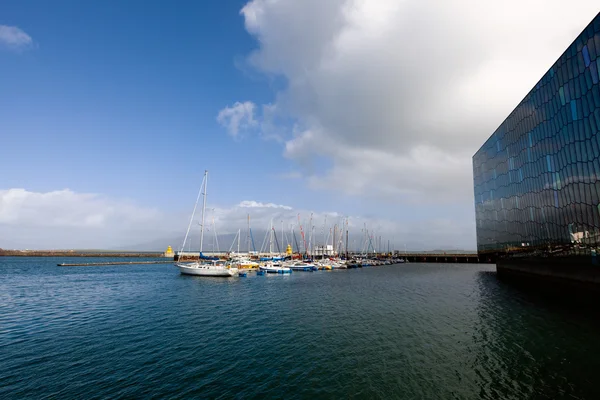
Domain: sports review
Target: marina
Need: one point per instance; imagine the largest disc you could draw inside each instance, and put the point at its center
(251, 262)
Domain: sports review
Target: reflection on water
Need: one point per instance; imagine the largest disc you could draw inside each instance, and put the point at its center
(535, 342)
(414, 331)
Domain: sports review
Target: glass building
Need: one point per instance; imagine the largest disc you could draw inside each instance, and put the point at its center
(537, 178)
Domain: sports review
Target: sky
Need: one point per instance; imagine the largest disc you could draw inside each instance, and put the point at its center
(111, 111)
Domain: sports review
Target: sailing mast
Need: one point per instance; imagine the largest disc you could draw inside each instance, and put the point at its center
(346, 239)
(203, 210)
(271, 238)
(248, 235)
(187, 233)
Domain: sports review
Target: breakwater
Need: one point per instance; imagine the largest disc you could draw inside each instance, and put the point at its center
(113, 263)
(77, 253)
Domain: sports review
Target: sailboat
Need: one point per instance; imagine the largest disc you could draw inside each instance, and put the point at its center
(273, 267)
(205, 266)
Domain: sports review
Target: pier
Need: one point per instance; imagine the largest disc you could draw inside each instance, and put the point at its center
(472, 258)
(113, 263)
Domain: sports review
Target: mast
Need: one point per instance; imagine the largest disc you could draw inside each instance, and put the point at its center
(203, 209)
(271, 238)
(248, 235)
(333, 240)
(296, 242)
(214, 227)
(324, 227)
(276, 241)
(187, 233)
(303, 237)
(311, 245)
(346, 241)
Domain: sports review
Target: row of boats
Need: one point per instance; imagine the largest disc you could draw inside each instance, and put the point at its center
(241, 266)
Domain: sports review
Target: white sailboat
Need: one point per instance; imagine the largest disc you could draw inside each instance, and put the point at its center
(210, 268)
(272, 267)
(204, 267)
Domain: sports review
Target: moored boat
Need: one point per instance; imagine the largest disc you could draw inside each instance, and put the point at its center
(301, 266)
(271, 268)
(214, 268)
(205, 266)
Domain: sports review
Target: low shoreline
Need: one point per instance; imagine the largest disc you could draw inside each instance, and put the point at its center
(74, 253)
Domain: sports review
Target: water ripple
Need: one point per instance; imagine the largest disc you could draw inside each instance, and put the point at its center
(410, 331)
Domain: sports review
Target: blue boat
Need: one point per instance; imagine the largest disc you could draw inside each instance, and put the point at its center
(271, 268)
(302, 266)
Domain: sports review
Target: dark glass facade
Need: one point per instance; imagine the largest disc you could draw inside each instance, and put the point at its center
(537, 178)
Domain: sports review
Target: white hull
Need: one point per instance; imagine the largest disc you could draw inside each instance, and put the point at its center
(302, 267)
(339, 266)
(206, 270)
(275, 270)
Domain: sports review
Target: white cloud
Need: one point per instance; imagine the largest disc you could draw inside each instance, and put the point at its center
(257, 204)
(289, 175)
(426, 234)
(67, 219)
(64, 218)
(14, 38)
(398, 94)
(239, 116)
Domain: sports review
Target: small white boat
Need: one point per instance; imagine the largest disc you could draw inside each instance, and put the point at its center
(244, 263)
(271, 268)
(214, 268)
(302, 266)
(338, 265)
(324, 264)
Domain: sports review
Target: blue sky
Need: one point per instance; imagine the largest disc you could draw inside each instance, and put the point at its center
(120, 100)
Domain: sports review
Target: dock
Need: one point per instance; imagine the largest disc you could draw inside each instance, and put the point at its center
(113, 263)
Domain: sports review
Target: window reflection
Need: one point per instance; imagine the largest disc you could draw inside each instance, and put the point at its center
(536, 178)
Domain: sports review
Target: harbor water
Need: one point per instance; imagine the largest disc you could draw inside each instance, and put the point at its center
(411, 331)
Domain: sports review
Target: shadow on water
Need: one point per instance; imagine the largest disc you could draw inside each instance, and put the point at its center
(535, 342)
(568, 300)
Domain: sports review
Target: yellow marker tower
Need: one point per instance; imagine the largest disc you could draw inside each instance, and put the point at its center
(288, 250)
(169, 252)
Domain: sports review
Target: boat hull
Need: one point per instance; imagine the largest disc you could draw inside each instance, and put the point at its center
(207, 270)
(309, 268)
(276, 270)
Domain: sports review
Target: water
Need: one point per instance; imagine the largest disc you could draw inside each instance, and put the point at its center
(414, 331)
